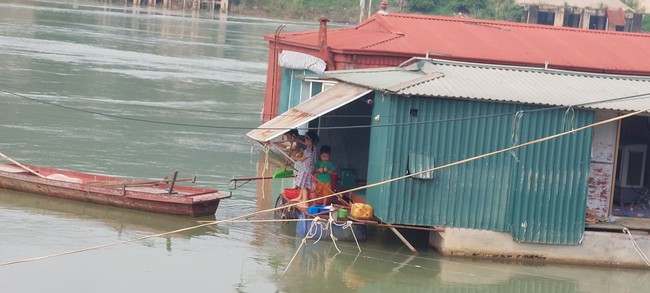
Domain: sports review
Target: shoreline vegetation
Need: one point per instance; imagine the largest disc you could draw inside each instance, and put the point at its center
(354, 11)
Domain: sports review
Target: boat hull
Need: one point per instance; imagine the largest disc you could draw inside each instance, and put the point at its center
(186, 201)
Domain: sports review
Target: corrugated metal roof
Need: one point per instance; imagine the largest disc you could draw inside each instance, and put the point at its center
(334, 97)
(487, 41)
(505, 84)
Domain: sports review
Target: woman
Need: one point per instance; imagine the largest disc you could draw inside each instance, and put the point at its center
(304, 167)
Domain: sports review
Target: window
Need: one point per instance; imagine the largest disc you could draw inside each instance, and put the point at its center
(597, 22)
(572, 20)
(547, 18)
(633, 159)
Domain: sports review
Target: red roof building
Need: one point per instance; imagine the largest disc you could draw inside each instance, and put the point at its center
(388, 40)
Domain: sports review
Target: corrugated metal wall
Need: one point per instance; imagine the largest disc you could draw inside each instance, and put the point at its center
(491, 193)
(550, 181)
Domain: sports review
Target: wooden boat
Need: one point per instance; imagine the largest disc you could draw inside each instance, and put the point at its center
(161, 196)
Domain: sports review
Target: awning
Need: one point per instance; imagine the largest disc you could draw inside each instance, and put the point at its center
(329, 100)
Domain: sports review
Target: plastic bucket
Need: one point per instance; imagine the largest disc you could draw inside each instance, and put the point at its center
(291, 193)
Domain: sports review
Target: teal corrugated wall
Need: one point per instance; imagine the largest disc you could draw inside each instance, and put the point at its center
(549, 186)
(489, 193)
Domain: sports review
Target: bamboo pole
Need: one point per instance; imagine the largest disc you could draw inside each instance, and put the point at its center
(21, 165)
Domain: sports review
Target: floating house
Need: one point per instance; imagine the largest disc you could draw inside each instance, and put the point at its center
(551, 200)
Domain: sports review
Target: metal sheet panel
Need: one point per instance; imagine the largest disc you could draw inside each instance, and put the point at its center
(334, 97)
(473, 195)
(508, 84)
(550, 179)
(486, 193)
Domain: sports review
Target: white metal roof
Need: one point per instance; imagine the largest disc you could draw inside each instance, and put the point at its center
(331, 99)
(436, 78)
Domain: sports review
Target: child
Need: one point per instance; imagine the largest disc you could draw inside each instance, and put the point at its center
(324, 170)
(296, 145)
(305, 166)
(295, 142)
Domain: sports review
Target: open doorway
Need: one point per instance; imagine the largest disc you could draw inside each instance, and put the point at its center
(632, 182)
(346, 130)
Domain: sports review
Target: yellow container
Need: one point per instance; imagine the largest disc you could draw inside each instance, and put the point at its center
(361, 211)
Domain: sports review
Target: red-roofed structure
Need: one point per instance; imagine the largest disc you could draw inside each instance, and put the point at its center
(388, 40)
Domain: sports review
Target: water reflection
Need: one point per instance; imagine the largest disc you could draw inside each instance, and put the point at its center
(322, 269)
(124, 222)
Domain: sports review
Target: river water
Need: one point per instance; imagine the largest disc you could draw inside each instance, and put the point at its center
(142, 92)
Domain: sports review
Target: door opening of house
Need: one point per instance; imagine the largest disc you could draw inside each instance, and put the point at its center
(632, 181)
(345, 131)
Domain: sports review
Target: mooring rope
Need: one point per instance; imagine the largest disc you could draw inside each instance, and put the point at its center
(331, 229)
(348, 225)
(302, 243)
(337, 193)
(636, 246)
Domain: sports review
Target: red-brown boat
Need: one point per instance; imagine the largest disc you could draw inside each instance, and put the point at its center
(161, 196)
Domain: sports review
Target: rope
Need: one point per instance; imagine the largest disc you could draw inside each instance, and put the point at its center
(266, 167)
(569, 119)
(636, 247)
(322, 128)
(302, 243)
(516, 127)
(311, 233)
(335, 194)
(348, 225)
(329, 223)
(261, 221)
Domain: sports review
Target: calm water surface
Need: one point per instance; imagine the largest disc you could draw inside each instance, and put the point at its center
(141, 93)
